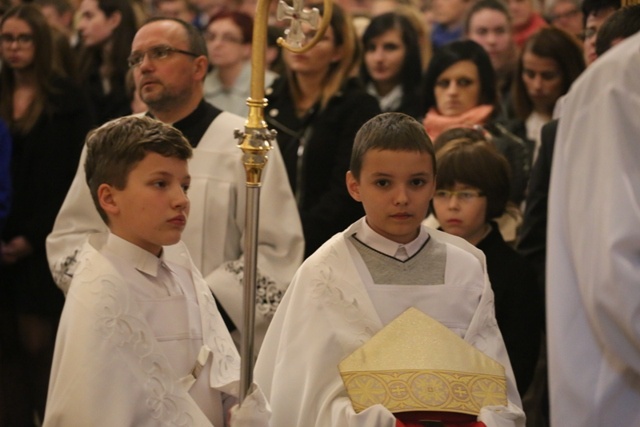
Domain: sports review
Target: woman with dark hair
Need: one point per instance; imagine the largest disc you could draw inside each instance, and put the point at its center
(48, 121)
(392, 66)
(550, 62)
(317, 108)
(460, 91)
(471, 193)
(106, 30)
(227, 86)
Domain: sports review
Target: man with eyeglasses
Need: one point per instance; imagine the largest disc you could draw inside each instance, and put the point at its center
(169, 63)
(595, 13)
(566, 15)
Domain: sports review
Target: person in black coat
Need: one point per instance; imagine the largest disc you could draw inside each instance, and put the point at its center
(472, 190)
(5, 176)
(532, 243)
(106, 29)
(317, 110)
(48, 120)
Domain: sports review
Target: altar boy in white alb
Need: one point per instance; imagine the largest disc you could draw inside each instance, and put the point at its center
(363, 278)
(141, 341)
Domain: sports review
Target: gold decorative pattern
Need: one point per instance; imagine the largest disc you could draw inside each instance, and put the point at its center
(415, 363)
(425, 391)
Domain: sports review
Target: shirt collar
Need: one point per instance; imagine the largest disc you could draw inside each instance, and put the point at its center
(388, 247)
(144, 261)
(195, 124)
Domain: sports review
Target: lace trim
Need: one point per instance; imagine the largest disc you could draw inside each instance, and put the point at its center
(326, 285)
(131, 334)
(268, 293)
(63, 271)
(225, 356)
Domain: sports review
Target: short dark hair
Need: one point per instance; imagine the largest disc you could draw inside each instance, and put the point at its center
(496, 5)
(242, 20)
(390, 131)
(452, 53)
(623, 23)
(195, 38)
(465, 156)
(594, 7)
(116, 147)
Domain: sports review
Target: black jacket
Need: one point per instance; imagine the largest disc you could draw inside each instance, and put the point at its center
(317, 170)
(518, 303)
(43, 164)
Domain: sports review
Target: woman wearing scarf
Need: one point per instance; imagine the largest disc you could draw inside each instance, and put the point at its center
(460, 91)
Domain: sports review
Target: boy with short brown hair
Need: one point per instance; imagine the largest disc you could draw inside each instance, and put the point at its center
(365, 277)
(140, 340)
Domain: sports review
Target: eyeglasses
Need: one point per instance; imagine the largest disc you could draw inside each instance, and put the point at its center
(462, 195)
(224, 38)
(156, 53)
(589, 32)
(22, 39)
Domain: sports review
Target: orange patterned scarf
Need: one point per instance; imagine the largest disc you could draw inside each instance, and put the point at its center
(435, 123)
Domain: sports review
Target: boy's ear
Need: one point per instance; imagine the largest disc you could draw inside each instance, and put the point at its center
(107, 200)
(353, 186)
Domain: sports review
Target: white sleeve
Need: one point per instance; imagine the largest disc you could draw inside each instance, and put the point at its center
(280, 249)
(254, 411)
(76, 220)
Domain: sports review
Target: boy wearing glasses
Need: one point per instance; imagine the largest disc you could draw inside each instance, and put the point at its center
(472, 192)
(141, 341)
(367, 276)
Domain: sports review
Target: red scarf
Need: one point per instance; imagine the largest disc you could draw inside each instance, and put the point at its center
(435, 123)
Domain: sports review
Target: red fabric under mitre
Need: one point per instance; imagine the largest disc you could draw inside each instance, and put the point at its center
(448, 419)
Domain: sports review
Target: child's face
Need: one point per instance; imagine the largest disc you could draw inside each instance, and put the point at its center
(395, 188)
(462, 214)
(151, 211)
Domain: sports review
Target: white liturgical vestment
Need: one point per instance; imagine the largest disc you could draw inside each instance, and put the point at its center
(130, 352)
(328, 313)
(215, 228)
(593, 255)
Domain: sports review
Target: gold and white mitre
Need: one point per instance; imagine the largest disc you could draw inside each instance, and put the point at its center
(415, 363)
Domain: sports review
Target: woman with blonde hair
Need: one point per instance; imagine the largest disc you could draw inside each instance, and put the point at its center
(317, 107)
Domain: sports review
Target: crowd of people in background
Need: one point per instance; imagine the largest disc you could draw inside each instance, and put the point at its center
(484, 77)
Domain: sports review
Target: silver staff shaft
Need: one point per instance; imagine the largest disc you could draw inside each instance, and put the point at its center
(255, 143)
(250, 273)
